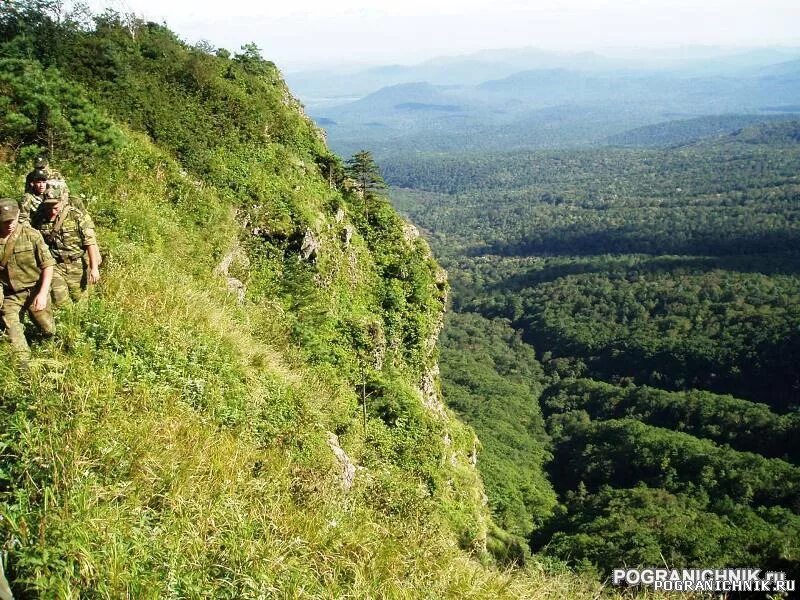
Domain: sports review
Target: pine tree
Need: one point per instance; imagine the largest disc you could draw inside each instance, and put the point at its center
(367, 175)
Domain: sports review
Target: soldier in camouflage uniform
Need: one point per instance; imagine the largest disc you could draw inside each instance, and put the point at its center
(36, 183)
(26, 271)
(35, 186)
(69, 233)
(40, 166)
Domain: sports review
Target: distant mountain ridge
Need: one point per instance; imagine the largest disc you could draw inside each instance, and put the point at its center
(777, 134)
(486, 65)
(559, 107)
(687, 131)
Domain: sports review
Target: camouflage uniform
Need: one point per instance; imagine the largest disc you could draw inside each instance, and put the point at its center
(67, 235)
(28, 206)
(31, 201)
(20, 282)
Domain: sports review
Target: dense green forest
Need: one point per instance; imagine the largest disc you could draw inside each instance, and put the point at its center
(735, 196)
(494, 377)
(686, 131)
(650, 300)
(743, 425)
(247, 405)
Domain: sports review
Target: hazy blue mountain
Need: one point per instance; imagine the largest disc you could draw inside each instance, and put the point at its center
(472, 69)
(709, 94)
(520, 59)
(702, 59)
(743, 63)
(390, 99)
(317, 88)
(349, 83)
(564, 107)
(326, 87)
(787, 70)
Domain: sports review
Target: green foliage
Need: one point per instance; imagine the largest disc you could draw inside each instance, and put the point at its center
(623, 452)
(674, 326)
(364, 170)
(681, 132)
(715, 198)
(741, 424)
(668, 277)
(491, 378)
(197, 105)
(649, 526)
(42, 112)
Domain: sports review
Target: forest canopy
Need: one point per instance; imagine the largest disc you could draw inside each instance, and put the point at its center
(650, 299)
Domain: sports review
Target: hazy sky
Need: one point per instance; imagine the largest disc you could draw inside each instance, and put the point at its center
(302, 33)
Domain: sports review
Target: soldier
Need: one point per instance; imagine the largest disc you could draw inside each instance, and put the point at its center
(40, 165)
(26, 271)
(69, 233)
(35, 186)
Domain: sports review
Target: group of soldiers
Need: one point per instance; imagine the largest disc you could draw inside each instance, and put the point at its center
(48, 254)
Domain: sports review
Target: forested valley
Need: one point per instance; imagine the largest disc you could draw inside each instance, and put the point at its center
(625, 339)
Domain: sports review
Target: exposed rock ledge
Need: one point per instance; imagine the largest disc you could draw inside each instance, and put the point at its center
(347, 473)
(235, 258)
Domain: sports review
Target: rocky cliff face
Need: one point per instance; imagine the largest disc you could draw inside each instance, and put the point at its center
(383, 299)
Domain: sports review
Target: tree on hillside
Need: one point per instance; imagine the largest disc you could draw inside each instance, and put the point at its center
(367, 175)
(331, 168)
(251, 60)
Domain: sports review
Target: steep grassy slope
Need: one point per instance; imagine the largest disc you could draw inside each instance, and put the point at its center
(161, 447)
(247, 406)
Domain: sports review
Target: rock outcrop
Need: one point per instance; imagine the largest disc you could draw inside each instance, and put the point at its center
(235, 262)
(310, 247)
(347, 474)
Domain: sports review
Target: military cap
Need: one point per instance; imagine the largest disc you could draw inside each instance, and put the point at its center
(9, 209)
(56, 191)
(52, 196)
(39, 175)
